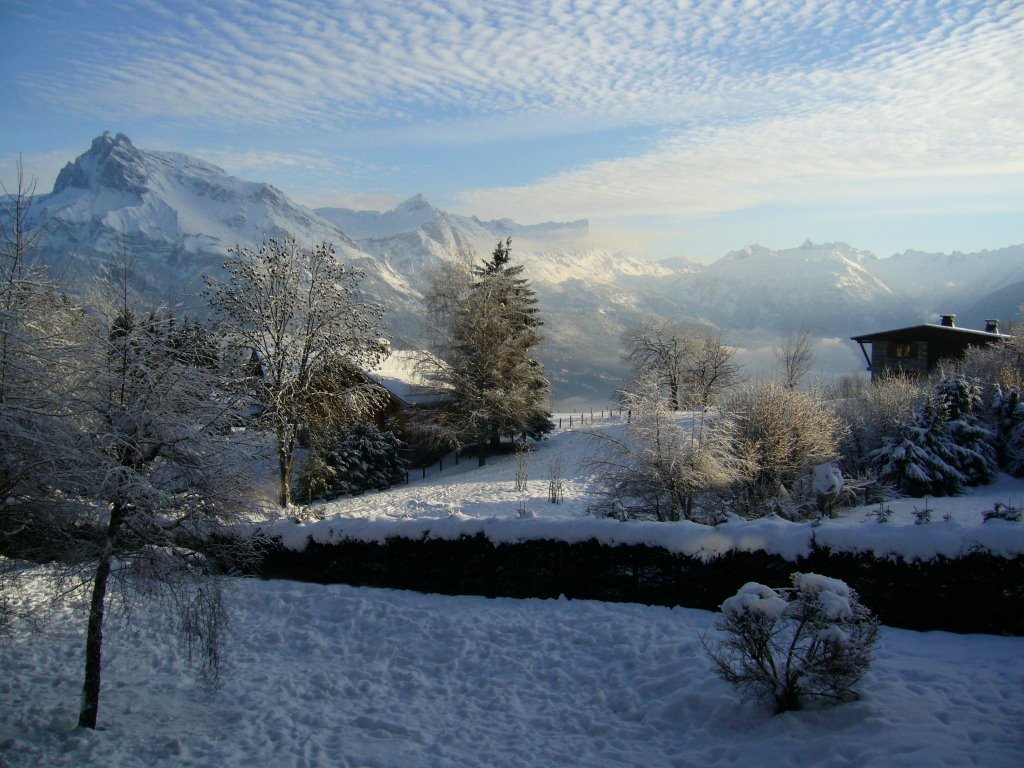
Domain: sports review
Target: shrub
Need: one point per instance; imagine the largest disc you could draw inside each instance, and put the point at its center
(812, 640)
(781, 435)
(361, 459)
(1008, 410)
(872, 414)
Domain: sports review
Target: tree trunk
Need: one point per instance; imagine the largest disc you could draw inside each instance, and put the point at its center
(285, 455)
(94, 647)
(94, 634)
(481, 449)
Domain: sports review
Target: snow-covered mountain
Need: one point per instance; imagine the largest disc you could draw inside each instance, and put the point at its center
(176, 216)
(828, 287)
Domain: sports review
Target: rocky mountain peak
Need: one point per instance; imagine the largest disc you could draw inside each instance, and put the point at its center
(112, 161)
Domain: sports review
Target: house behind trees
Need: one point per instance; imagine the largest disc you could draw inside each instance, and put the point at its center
(919, 348)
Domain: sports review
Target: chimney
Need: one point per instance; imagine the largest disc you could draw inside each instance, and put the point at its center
(949, 321)
(991, 326)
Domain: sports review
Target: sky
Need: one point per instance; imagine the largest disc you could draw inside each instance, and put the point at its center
(677, 128)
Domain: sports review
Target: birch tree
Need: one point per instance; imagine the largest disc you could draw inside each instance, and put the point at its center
(296, 315)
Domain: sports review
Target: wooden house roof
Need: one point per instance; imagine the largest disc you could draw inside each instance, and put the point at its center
(928, 331)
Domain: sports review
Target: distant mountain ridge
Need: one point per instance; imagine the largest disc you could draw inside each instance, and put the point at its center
(177, 216)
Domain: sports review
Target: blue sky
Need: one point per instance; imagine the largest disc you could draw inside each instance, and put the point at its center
(678, 128)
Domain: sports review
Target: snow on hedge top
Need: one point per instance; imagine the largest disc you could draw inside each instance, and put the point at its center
(463, 500)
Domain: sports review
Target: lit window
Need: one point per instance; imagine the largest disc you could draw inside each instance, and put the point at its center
(903, 351)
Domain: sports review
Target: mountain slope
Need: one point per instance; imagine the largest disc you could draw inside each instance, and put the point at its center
(176, 216)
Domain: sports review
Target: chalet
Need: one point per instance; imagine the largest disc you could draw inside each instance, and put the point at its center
(919, 348)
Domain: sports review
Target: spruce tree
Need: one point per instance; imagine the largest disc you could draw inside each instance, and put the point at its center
(976, 454)
(489, 385)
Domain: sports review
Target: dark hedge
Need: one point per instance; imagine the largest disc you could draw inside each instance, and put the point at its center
(977, 593)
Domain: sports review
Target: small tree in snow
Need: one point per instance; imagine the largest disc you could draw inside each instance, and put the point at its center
(658, 465)
(810, 641)
(964, 410)
(1008, 410)
(873, 414)
(782, 435)
(360, 459)
(943, 448)
(918, 457)
(795, 358)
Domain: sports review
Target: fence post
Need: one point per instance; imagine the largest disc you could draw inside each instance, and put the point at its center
(440, 464)
(424, 471)
(559, 422)
(570, 421)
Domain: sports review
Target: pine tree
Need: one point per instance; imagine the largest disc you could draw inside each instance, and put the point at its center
(361, 459)
(1009, 414)
(919, 458)
(976, 457)
(486, 324)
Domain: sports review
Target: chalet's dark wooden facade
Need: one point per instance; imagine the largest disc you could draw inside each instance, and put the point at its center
(919, 348)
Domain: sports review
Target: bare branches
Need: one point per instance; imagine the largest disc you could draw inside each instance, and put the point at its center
(295, 314)
(663, 465)
(795, 358)
(693, 364)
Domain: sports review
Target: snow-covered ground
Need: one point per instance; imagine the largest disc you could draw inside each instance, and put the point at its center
(465, 499)
(340, 676)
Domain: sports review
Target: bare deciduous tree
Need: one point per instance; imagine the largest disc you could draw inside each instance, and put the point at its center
(660, 465)
(693, 364)
(795, 358)
(296, 313)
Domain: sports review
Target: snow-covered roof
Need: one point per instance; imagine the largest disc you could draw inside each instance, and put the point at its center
(930, 329)
(397, 374)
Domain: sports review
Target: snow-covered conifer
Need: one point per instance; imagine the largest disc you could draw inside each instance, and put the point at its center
(488, 383)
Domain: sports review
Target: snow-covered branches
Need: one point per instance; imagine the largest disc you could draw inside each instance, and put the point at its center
(295, 315)
(783, 434)
(662, 466)
(812, 640)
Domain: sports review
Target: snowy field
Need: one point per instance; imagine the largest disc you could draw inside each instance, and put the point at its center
(339, 676)
(465, 499)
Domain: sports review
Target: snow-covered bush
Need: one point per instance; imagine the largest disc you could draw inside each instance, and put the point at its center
(944, 447)
(1008, 410)
(1002, 511)
(781, 435)
(917, 458)
(873, 413)
(664, 465)
(810, 641)
(964, 411)
(362, 458)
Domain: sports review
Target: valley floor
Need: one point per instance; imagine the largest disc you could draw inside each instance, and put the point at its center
(340, 676)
